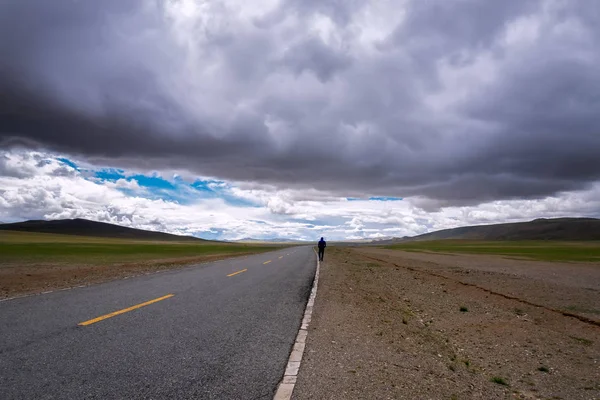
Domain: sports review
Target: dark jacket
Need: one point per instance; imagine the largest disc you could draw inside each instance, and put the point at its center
(322, 244)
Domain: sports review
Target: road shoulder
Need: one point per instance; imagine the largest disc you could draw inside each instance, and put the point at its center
(381, 330)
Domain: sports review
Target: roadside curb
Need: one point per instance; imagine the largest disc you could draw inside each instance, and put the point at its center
(287, 384)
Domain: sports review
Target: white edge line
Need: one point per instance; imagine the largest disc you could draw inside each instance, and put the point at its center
(287, 384)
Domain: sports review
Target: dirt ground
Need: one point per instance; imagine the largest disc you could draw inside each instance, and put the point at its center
(396, 325)
(22, 279)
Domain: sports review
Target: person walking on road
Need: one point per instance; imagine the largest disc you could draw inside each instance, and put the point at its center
(322, 245)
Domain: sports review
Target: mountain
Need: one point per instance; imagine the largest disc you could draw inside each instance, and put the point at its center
(84, 227)
(538, 229)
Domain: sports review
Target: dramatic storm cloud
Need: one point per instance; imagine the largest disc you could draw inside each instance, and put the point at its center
(449, 103)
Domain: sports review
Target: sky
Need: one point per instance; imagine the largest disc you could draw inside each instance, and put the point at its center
(299, 118)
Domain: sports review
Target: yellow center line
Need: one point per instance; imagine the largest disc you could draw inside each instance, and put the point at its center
(266, 262)
(112, 314)
(238, 272)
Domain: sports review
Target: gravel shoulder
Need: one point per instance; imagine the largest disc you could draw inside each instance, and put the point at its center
(388, 325)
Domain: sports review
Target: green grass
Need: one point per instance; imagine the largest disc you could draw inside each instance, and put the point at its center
(499, 380)
(586, 310)
(24, 247)
(537, 250)
(583, 341)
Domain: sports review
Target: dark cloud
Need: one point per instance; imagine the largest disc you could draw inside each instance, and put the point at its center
(314, 55)
(462, 102)
(340, 11)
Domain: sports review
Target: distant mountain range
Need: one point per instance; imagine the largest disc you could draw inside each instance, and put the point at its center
(538, 229)
(84, 227)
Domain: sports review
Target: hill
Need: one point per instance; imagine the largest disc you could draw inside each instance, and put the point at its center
(84, 227)
(539, 229)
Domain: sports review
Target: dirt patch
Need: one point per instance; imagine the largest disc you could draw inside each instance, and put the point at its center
(19, 279)
(396, 327)
(572, 288)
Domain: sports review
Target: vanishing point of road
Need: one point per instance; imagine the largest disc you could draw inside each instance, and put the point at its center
(222, 330)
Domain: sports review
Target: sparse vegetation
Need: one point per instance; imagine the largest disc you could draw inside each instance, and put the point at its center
(538, 250)
(586, 310)
(583, 341)
(499, 380)
(463, 309)
(543, 369)
(458, 350)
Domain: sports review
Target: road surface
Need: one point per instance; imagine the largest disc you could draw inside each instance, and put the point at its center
(222, 330)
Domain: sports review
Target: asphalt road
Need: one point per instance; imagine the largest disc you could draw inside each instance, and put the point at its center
(216, 337)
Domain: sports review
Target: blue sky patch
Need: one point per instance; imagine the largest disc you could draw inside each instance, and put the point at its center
(208, 185)
(385, 198)
(152, 182)
(212, 189)
(68, 162)
(175, 190)
(110, 174)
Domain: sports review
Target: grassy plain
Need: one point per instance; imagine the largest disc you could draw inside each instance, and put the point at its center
(25, 247)
(537, 250)
(34, 262)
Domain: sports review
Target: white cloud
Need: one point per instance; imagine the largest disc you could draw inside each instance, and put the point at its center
(36, 185)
